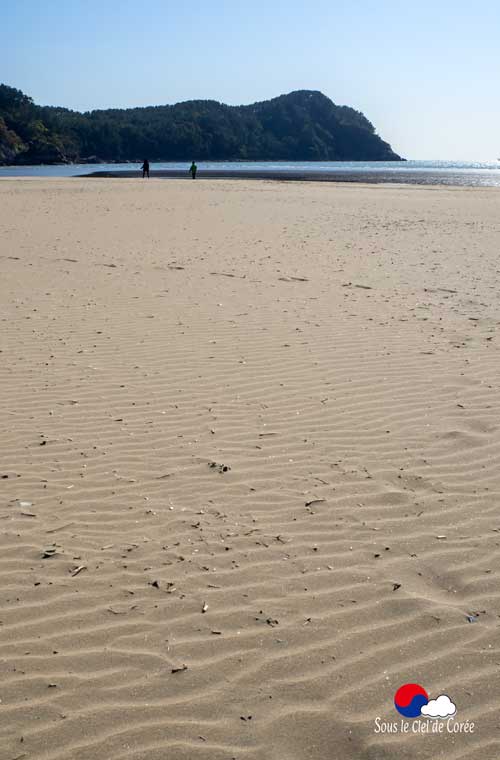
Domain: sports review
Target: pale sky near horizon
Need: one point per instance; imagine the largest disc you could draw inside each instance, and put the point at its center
(426, 74)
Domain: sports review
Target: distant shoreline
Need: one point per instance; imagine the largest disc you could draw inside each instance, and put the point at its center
(376, 177)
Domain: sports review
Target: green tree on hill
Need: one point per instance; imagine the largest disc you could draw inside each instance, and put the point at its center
(301, 126)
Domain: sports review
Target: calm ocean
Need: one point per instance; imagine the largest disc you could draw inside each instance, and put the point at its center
(460, 173)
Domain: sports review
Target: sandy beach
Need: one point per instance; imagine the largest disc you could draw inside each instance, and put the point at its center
(250, 469)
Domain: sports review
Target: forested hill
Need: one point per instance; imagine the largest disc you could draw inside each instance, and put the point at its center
(301, 126)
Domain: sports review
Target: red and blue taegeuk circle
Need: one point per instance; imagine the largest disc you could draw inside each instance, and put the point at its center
(409, 700)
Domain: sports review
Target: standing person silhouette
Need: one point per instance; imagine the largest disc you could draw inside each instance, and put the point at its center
(193, 169)
(145, 168)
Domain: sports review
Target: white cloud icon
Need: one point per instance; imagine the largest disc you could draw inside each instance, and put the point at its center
(442, 707)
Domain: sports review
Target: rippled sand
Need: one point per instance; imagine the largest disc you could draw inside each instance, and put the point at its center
(250, 468)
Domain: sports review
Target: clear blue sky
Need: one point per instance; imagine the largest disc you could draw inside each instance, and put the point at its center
(426, 73)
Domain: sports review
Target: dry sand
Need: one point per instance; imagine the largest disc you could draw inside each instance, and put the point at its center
(336, 348)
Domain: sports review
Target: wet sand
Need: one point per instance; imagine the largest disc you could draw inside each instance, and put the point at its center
(446, 178)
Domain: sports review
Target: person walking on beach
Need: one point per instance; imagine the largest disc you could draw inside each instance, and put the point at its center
(193, 169)
(145, 168)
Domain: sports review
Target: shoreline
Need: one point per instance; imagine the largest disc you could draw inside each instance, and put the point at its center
(454, 179)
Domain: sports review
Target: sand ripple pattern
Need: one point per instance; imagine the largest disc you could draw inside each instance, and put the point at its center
(250, 468)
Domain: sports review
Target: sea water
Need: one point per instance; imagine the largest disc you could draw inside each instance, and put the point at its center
(466, 173)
